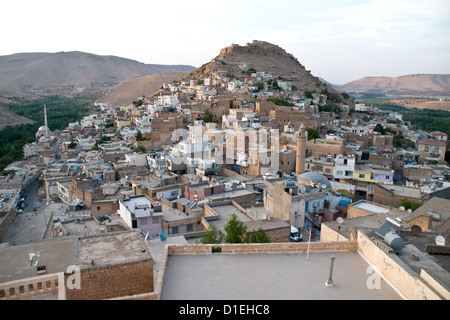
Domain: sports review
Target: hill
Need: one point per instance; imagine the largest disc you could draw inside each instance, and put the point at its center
(9, 118)
(71, 72)
(414, 84)
(260, 56)
(130, 90)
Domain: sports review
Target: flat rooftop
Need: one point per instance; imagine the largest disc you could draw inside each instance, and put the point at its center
(230, 194)
(225, 211)
(371, 207)
(20, 261)
(274, 276)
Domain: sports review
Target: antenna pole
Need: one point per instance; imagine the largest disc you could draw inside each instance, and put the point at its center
(329, 282)
(309, 241)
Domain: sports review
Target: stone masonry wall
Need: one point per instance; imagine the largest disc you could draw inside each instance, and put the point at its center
(112, 281)
(5, 222)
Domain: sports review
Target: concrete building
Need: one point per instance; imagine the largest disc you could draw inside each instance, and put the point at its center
(292, 201)
(439, 135)
(393, 195)
(77, 268)
(432, 150)
(136, 159)
(344, 168)
(139, 212)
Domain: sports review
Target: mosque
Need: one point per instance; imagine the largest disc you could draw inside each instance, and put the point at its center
(303, 177)
(43, 131)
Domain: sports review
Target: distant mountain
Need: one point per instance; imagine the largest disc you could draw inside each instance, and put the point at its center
(71, 72)
(408, 84)
(260, 56)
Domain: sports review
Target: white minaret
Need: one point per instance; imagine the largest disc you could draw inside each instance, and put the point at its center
(45, 121)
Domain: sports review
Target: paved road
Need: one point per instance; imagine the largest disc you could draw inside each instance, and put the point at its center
(31, 200)
(29, 225)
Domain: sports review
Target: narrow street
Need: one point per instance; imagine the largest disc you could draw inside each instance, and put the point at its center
(28, 225)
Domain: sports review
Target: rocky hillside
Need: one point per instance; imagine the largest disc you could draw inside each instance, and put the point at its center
(408, 84)
(132, 89)
(9, 118)
(260, 56)
(71, 72)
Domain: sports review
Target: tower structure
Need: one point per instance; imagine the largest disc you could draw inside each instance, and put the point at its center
(45, 121)
(301, 150)
(43, 130)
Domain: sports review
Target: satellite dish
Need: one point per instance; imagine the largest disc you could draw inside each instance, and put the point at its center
(263, 217)
(163, 237)
(340, 220)
(440, 241)
(416, 230)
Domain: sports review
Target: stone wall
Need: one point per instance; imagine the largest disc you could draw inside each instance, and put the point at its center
(286, 247)
(5, 221)
(383, 196)
(104, 207)
(105, 282)
(412, 286)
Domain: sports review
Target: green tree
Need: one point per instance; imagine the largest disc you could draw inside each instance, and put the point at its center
(139, 136)
(410, 204)
(72, 145)
(212, 236)
(308, 94)
(139, 149)
(208, 117)
(275, 85)
(379, 128)
(280, 101)
(260, 236)
(260, 86)
(312, 133)
(236, 231)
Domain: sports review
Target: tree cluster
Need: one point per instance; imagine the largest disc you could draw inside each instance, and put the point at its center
(235, 232)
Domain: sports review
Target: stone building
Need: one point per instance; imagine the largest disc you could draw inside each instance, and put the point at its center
(162, 130)
(96, 267)
(393, 195)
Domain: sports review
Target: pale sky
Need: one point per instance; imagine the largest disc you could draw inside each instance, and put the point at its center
(339, 41)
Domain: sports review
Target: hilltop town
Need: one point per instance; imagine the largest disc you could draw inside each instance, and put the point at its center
(135, 185)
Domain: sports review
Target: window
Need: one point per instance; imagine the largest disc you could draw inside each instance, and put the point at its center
(362, 175)
(155, 220)
(143, 221)
(174, 230)
(189, 227)
(98, 208)
(339, 173)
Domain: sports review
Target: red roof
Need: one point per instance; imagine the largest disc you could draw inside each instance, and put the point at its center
(438, 133)
(432, 142)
